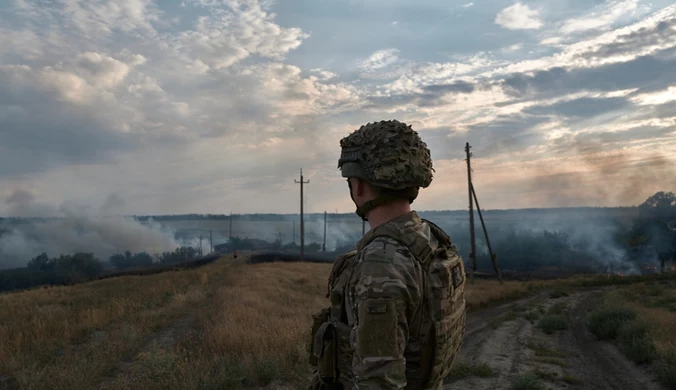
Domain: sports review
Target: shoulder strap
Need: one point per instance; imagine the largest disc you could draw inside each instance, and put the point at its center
(338, 267)
(407, 236)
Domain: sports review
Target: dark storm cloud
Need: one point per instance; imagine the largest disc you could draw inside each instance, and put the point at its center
(505, 134)
(39, 137)
(455, 87)
(647, 73)
(658, 111)
(662, 33)
(580, 108)
(430, 97)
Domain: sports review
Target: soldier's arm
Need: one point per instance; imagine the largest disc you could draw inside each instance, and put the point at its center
(385, 285)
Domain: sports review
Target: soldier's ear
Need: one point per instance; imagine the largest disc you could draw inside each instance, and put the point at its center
(361, 187)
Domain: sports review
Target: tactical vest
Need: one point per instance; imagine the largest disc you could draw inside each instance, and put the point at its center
(443, 313)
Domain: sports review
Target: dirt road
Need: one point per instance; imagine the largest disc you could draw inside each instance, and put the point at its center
(503, 346)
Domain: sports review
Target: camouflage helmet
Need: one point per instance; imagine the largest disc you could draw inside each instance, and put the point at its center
(388, 154)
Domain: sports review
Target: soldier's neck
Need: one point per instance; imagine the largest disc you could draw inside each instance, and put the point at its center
(387, 212)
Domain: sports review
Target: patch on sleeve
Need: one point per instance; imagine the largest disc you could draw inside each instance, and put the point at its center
(458, 277)
(377, 333)
(376, 307)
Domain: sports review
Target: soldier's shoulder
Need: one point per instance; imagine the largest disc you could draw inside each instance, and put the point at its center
(386, 256)
(385, 249)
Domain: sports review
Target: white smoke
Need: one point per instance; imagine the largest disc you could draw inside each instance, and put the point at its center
(71, 228)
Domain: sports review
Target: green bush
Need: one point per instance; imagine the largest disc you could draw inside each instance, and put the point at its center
(464, 370)
(558, 308)
(532, 316)
(640, 350)
(552, 323)
(605, 323)
(527, 382)
(267, 371)
(666, 370)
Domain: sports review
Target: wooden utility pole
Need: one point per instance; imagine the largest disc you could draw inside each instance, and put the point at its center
(302, 224)
(488, 242)
(230, 233)
(472, 254)
(324, 244)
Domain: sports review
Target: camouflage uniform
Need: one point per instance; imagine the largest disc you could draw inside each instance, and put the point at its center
(397, 311)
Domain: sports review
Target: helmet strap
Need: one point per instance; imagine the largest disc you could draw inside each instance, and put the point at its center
(411, 194)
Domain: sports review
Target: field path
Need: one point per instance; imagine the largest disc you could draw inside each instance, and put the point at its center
(512, 346)
(164, 339)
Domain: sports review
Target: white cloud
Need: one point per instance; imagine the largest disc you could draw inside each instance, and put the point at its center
(588, 53)
(206, 92)
(227, 36)
(324, 74)
(519, 17)
(379, 60)
(102, 70)
(103, 17)
(513, 48)
(603, 18)
(468, 5)
(415, 76)
(661, 97)
(552, 41)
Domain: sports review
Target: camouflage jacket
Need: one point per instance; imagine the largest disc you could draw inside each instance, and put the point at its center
(383, 301)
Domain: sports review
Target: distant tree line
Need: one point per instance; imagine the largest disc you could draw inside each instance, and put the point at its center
(81, 267)
(650, 235)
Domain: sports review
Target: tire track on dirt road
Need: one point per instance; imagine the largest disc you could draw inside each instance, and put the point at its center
(603, 364)
(504, 340)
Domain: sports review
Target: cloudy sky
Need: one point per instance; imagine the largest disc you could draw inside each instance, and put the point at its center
(208, 106)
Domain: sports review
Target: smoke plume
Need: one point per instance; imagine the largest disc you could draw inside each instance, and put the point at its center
(71, 228)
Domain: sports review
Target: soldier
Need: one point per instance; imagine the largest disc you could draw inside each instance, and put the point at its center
(397, 313)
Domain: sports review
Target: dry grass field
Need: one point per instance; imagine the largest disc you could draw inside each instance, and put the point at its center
(640, 319)
(225, 325)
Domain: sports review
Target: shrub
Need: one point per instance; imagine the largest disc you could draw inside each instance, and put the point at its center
(527, 382)
(605, 323)
(635, 341)
(666, 371)
(552, 323)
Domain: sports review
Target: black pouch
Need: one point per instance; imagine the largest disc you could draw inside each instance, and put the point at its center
(325, 353)
(318, 319)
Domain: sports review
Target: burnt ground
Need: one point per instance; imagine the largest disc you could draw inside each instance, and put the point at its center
(504, 345)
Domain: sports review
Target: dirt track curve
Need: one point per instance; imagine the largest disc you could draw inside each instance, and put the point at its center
(512, 346)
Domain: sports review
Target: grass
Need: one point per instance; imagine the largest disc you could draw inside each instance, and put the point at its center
(541, 349)
(640, 318)
(552, 323)
(558, 293)
(605, 322)
(527, 382)
(571, 379)
(558, 308)
(68, 336)
(488, 292)
(249, 327)
(463, 370)
(551, 360)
